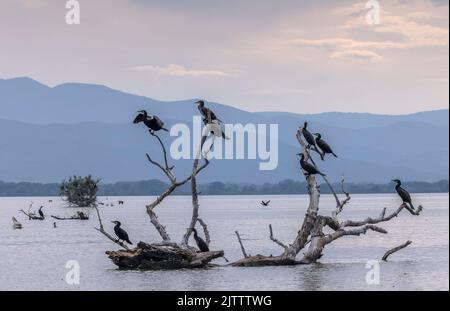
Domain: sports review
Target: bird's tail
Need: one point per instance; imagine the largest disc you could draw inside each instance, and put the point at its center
(164, 129)
(334, 154)
(225, 136)
(129, 242)
(322, 174)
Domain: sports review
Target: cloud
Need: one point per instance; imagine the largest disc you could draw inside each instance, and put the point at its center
(398, 30)
(361, 55)
(179, 71)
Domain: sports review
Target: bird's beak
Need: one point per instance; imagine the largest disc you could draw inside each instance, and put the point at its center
(113, 222)
(299, 154)
(197, 102)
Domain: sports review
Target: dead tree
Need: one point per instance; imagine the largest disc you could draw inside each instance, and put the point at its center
(166, 254)
(31, 215)
(311, 234)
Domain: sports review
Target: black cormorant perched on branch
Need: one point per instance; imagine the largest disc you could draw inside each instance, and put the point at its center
(121, 234)
(323, 145)
(307, 167)
(207, 114)
(308, 136)
(202, 246)
(41, 213)
(404, 195)
(153, 123)
(265, 203)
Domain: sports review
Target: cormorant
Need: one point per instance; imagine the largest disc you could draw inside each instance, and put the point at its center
(307, 167)
(207, 114)
(153, 123)
(54, 225)
(205, 122)
(323, 145)
(202, 246)
(120, 202)
(265, 203)
(404, 195)
(41, 213)
(121, 234)
(308, 136)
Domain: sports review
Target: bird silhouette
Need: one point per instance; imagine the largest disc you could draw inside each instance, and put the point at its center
(121, 234)
(323, 145)
(153, 123)
(307, 167)
(202, 246)
(404, 195)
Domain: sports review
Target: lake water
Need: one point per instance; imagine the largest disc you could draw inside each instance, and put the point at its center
(35, 258)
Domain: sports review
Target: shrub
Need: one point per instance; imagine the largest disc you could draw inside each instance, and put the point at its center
(80, 191)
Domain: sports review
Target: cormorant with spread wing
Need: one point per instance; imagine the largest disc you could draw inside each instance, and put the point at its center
(121, 234)
(153, 123)
(404, 195)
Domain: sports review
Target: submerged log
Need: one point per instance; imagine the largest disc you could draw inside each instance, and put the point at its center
(159, 257)
(78, 216)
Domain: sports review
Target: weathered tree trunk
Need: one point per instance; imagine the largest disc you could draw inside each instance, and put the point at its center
(157, 257)
(313, 226)
(166, 255)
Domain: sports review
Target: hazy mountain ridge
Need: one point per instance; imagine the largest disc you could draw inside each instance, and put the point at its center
(82, 129)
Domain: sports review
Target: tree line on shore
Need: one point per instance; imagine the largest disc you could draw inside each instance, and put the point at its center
(155, 187)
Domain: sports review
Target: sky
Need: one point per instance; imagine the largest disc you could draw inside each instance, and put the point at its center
(258, 55)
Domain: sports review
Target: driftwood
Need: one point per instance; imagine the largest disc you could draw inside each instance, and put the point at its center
(167, 254)
(78, 216)
(32, 216)
(312, 233)
(395, 249)
(158, 257)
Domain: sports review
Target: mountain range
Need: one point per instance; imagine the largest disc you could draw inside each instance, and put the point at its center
(50, 133)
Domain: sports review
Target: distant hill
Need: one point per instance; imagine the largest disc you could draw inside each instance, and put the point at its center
(156, 187)
(51, 133)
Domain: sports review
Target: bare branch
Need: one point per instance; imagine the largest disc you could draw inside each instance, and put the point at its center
(205, 230)
(102, 230)
(381, 218)
(395, 249)
(195, 204)
(275, 240)
(31, 216)
(242, 245)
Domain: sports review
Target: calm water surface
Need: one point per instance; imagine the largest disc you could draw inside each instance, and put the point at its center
(34, 258)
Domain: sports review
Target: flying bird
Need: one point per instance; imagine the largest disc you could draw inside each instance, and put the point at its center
(202, 246)
(307, 167)
(323, 145)
(265, 203)
(121, 234)
(152, 122)
(404, 195)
